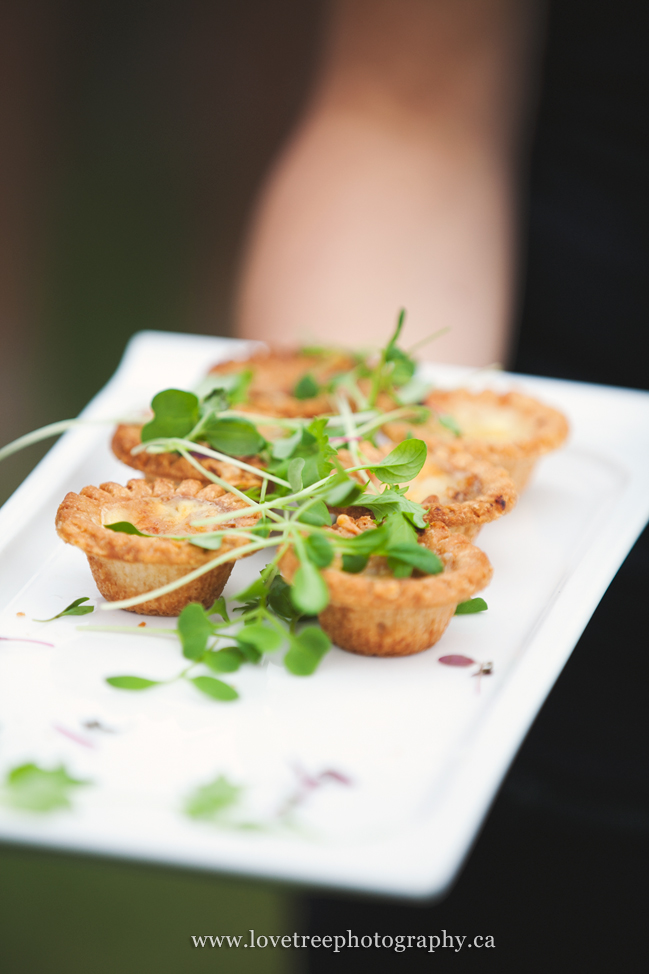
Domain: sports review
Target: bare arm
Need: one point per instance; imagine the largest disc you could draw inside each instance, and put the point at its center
(399, 186)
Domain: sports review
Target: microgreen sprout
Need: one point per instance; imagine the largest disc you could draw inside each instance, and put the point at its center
(75, 608)
(293, 519)
(471, 606)
(267, 622)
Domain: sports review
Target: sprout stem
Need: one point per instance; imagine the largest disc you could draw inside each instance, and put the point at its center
(53, 429)
(219, 480)
(185, 579)
(172, 443)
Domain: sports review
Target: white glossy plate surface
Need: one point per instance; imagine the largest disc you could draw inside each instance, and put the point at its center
(422, 747)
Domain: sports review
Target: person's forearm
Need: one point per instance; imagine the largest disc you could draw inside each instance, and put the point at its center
(398, 188)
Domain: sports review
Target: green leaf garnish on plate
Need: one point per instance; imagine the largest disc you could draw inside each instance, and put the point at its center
(34, 789)
(211, 800)
(471, 606)
(131, 682)
(216, 689)
(73, 609)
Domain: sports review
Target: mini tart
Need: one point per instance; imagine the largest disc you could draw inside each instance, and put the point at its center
(125, 565)
(276, 374)
(457, 490)
(171, 466)
(510, 430)
(374, 614)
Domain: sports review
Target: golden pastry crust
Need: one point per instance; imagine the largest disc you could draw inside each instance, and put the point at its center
(125, 565)
(457, 489)
(509, 430)
(171, 466)
(276, 374)
(374, 614)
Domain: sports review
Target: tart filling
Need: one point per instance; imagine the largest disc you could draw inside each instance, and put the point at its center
(374, 614)
(510, 430)
(457, 489)
(281, 373)
(125, 565)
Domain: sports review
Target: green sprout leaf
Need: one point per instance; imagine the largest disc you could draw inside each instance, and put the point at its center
(282, 449)
(250, 652)
(403, 464)
(73, 609)
(263, 527)
(319, 550)
(216, 689)
(414, 391)
(194, 629)
(316, 450)
(341, 491)
(395, 539)
(449, 423)
(263, 638)
(279, 600)
(306, 651)
(231, 435)
(390, 348)
(233, 386)
(34, 789)
(125, 527)
(306, 388)
(393, 500)
(225, 660)
(255, 591)
(294, 473)
(395, 367)
(318, 515)
(403, 367)
(210, 801)
(131, 682)
(368, 543)
(415, 556)
(219, 608)
(471, 606)
(175, 414)
(309, 592)
(354, 563)
(210, 541)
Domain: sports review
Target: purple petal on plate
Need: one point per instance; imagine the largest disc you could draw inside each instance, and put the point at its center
(72, 736)
(335, 776)
(456, 660)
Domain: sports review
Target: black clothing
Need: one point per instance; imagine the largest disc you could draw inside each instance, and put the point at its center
(557, 874)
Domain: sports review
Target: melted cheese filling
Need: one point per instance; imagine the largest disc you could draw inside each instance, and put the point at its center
(449, 487)
(496, 424)
(155, 516)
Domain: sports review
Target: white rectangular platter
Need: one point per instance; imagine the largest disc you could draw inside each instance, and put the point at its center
(389, 766)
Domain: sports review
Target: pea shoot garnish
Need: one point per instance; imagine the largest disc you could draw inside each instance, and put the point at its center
(76, 608)
(291, 476)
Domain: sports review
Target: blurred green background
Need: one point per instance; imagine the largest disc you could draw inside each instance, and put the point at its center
(135, 135)
(61, 914)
